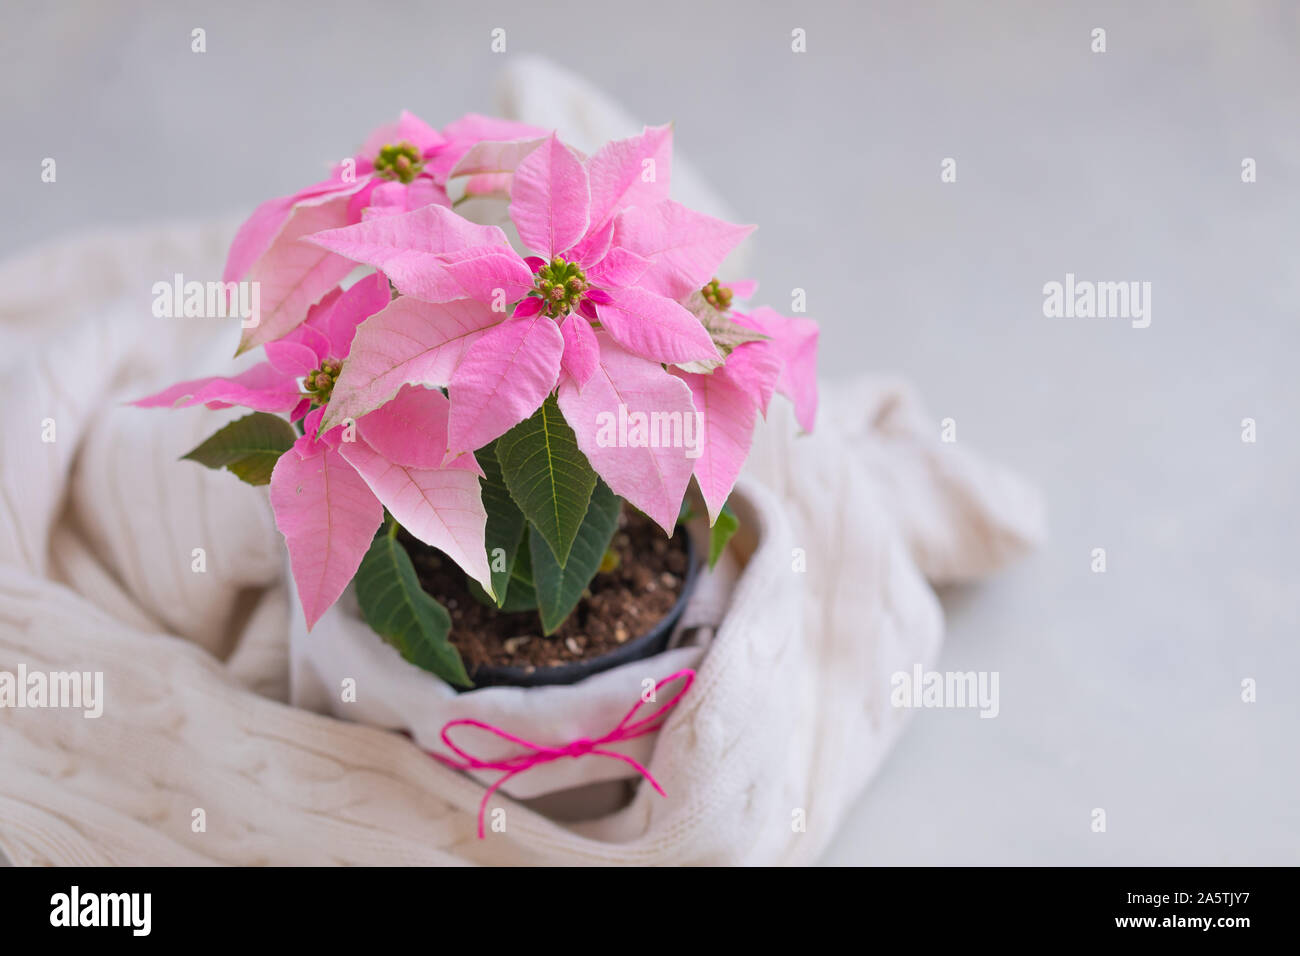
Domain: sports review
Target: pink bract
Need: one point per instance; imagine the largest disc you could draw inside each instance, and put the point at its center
(652, 478)
(794, 340)
(731, 397)
(294, 275)
(499, 367)
(329, 491)
(329, 495)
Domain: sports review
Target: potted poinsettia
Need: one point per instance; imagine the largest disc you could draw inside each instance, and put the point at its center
(491, 437)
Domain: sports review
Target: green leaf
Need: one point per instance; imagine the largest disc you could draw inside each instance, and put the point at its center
(721, 533)
(505, 524)
(520, 597)
(548, 477)
(399, 611)
(559, 586)
(523, 597)
(249, 447)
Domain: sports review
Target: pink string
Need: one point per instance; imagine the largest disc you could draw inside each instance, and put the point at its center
(627, 729)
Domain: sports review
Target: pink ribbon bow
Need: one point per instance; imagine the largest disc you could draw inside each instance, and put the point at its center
(627, 729)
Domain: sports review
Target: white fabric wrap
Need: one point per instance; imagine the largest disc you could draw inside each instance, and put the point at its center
(98, 531)
(391, 693)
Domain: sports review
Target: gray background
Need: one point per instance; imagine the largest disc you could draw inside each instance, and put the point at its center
(1118, 690)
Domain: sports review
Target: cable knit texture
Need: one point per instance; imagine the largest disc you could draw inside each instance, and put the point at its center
(98, 531)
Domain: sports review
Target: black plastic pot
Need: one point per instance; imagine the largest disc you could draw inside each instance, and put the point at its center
(652, 642)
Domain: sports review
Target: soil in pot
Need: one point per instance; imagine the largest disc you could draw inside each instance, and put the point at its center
(620, 605)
